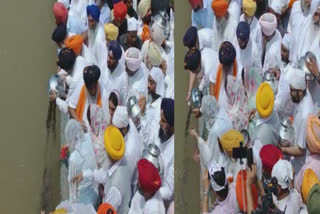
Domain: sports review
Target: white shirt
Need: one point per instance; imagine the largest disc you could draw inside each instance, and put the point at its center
(152, 206)
(226, 32)
(209, 66)
(167, 156)
(292, 203)
(97, 45)
(150, 122)
(74, 99)
(138, 82)
(117, 80)
(301, 113)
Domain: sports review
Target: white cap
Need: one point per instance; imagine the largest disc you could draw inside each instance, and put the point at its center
(282, 170)
(132, 24)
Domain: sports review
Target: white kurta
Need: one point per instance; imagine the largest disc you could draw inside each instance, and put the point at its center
(204, 17)
(152, 206)
(105, 15)
(167, 181)
(226, 32)
(272, 52)
(248, 57)
(150, 122)
(97, 45)
(82, 158)
(138, 82)
(117, 80)
(209, 66)
(255, 29)
(292, 203)
(78, 8)
(301, 113)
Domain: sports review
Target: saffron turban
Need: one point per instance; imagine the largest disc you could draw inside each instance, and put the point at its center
(220, 7)
(75, 43)
(313, 134)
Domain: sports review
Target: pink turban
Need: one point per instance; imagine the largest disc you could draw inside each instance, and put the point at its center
(313, 134)
(268, 23)
(133, 59)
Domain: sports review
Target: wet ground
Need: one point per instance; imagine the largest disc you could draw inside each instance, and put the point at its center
(29, 155)
(187, 172)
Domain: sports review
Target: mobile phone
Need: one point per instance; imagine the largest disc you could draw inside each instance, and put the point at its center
(249, 157)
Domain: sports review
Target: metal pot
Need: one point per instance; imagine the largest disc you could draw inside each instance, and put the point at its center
(134, 111)
(302, 65)
(163, 20)
(57, 85)
(269, 78)
(152, 153)
(196, 97)
(286, 132)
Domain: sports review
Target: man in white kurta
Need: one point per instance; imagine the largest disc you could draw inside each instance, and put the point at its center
(302, 109)
(148, 199)
(270, 45)
(114, 76)
(201, 15)
(133, 143)
(136, 70)
(288, 199)
(224, 27)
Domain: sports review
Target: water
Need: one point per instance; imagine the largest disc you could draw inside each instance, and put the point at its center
(29, 157)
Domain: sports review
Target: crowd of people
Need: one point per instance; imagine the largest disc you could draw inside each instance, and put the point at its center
(254, 66)
(116, 59)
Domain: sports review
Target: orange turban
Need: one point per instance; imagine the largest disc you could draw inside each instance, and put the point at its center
(313, 134)
(242, 177)
(220, 7)
(75, 43)
(309, 180)
(106, 208)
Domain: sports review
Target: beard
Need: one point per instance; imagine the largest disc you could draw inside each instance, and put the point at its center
(112, 67)
(295, 99)
(91, 37)
(146, 20)
(164, 136)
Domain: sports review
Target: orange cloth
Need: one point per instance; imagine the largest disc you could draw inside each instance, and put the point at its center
(309, 180)
(75, 43)
(145, 33)
(291, 3)
(220, 7)
(106, 208)
(313, 134)
(82, 101)
(240, 184)
(219, 79)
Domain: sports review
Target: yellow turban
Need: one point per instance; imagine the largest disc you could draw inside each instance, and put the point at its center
(249, 7)
(265, 100)
(231, 139)
(114, 143)
(220, 7)
(60, 211)
(309, 180)
(143, 7)
(111, 31)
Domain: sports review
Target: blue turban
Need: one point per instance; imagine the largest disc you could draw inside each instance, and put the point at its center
(190, 37)
(192, 59)
(115, 48)
(227, 53)
(115, 1)
(243, 31)
(167, 106)
(59, 34)
(94, 11)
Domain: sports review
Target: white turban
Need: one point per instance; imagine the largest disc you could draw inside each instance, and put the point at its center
(143, 7)
(157, 34)
(213, 168)
(286, 41)
(268, 23)
(157, 75)
(282, 170)
(132, 24)
(120, 118)
(297, 79)
(154, 54)
(133, 59)
(277, 5)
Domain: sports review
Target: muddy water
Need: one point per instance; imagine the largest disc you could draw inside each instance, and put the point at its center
(29, 155)
(187, 182)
